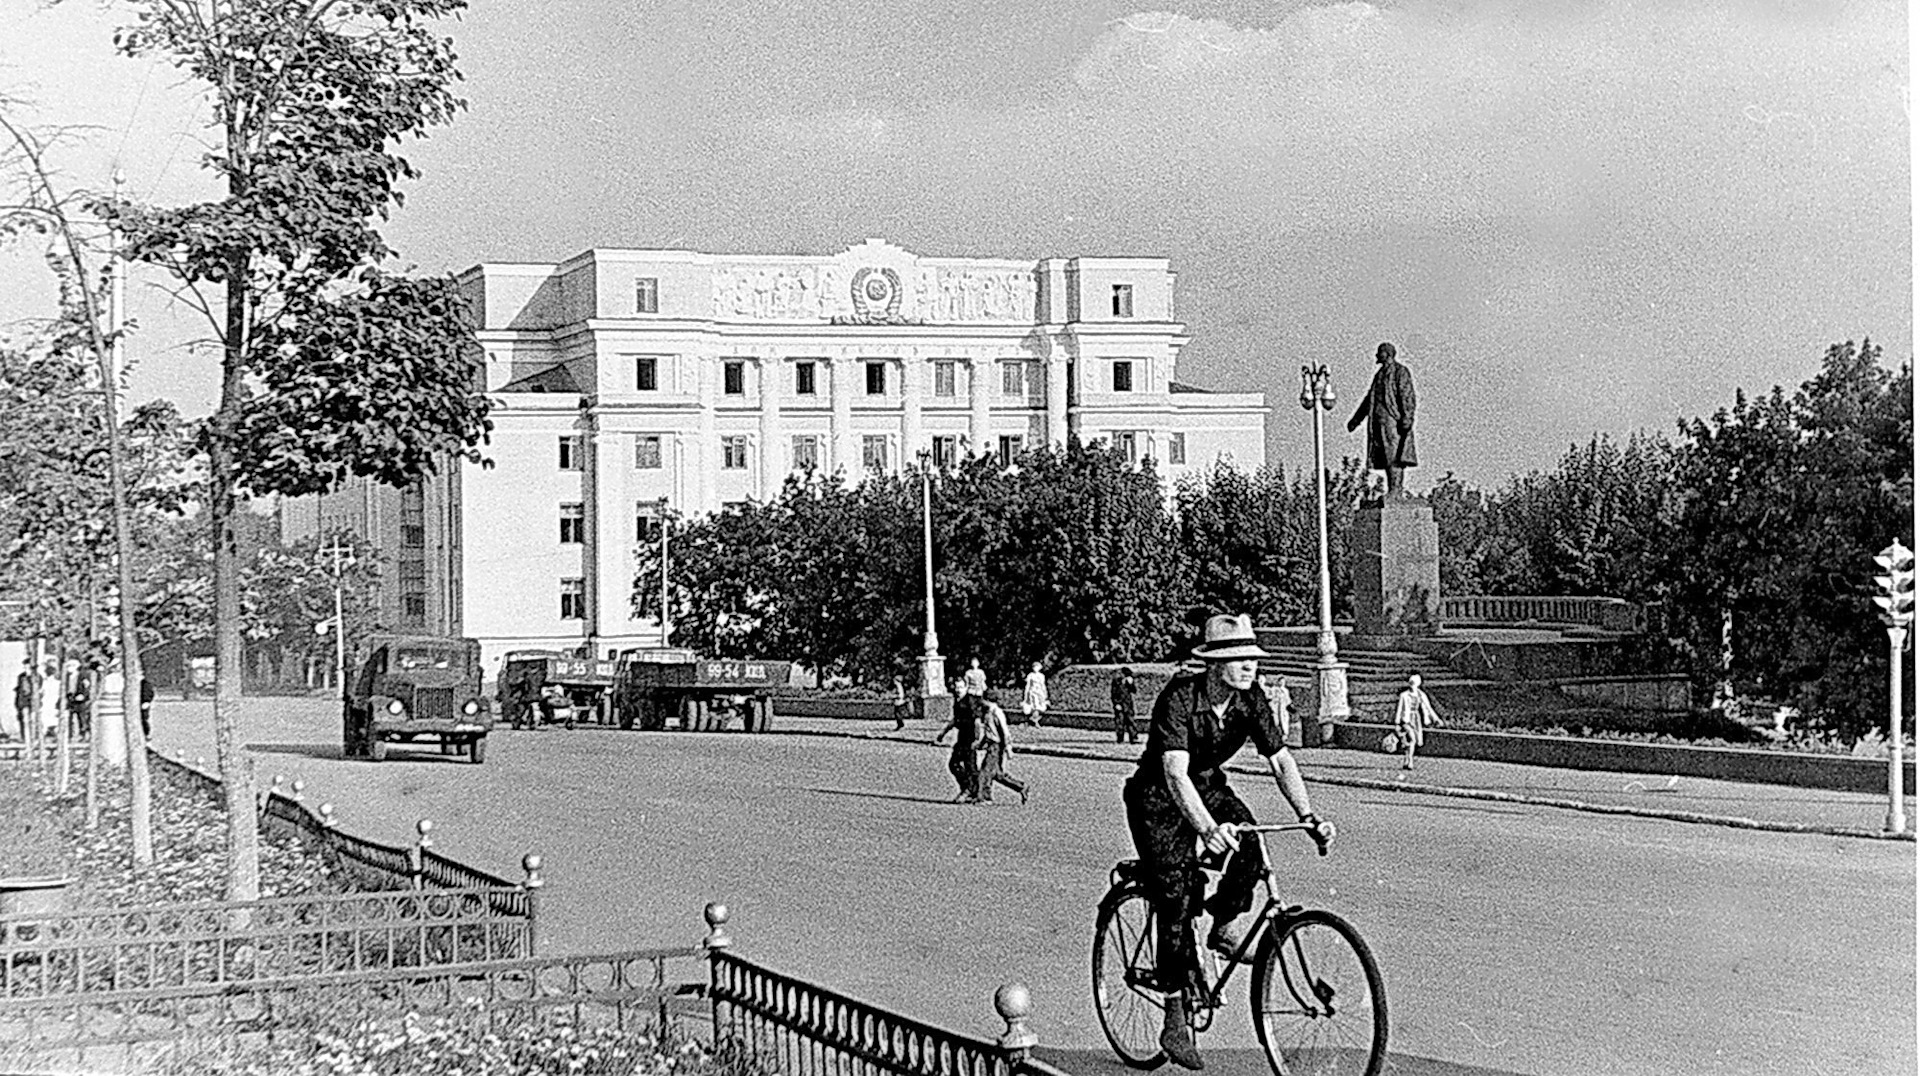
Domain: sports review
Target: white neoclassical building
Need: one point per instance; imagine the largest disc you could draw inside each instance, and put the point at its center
(623, 380)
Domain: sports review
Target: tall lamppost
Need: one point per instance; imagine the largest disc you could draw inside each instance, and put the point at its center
(1329, 673)
(1895, 599)
(933, 667)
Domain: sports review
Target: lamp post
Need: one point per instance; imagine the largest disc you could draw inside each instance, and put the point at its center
(933, 667)
(1895, 599)
(1329, 673)
(342, 556)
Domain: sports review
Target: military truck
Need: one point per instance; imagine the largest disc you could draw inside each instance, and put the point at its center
(539, 687)
(659, 686)
(409, 688)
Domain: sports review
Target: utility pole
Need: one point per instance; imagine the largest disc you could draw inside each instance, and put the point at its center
(342, 556)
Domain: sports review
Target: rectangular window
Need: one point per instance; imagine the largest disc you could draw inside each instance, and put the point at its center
(1009, 448)
(946, 450)
(733, 452)
(646, 295)
(876, 379)
(1128, 446)
(570, 454)
(573, 599)
(573, 524)
(733, 378)
(1123, 300)
(415, 605)
(1177, 448)
(646, 522)
(806, 453)
(1123, 376)
(873, 452)
(943, 379)
(646, 452)
(646, 375)
(1013, 379)
(806, 378)
(413, 536)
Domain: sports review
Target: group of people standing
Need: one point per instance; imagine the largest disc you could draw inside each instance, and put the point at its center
(39, 696)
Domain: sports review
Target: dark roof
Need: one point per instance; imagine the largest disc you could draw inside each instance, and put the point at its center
(1181, 386)
(552, 379)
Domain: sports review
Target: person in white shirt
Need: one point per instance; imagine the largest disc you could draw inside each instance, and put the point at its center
(995, 748)
(1033, 701)
(1411, 718)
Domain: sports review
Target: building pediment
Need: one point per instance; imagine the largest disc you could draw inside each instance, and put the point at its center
(875, 283)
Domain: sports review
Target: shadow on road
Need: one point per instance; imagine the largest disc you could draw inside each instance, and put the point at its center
(330, 752)
(1468, 806)
(1251, 1063)
(876, 795)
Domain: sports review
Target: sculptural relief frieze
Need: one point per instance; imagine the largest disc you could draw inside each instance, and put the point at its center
(846, 294)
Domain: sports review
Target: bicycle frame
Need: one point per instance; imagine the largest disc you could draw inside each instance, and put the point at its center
(1269, 912)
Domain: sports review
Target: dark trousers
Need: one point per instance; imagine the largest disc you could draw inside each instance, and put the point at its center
(1172, 870)
(965, 773)
(1124, 730)
(993, 770)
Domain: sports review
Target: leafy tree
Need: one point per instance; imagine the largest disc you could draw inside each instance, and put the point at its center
(1253, 542)
(331, 365)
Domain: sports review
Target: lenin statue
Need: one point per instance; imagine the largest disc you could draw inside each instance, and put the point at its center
(1387, 410)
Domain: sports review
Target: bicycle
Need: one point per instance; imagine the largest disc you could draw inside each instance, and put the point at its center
(1318, 1002)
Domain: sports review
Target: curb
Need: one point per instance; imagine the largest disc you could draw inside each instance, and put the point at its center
(1375, 784)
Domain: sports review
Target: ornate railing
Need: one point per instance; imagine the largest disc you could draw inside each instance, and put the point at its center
(789, 1027)
(1611, 614)
(623, 990)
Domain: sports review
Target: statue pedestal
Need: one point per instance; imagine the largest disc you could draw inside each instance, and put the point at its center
(1395, 546)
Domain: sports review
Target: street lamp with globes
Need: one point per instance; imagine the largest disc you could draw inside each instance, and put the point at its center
(933, 667)
(1329, 673)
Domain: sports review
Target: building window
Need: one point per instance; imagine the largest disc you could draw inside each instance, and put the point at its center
(733, 452)
(943, 379)
(1009, 448)
(873, 452)
(733, 378)
(646, 522)
(413, 536)
(1177, 448)
(1123, 300)
(414, 605)
(573, 524)
(1128, 446)
(946, 450)
(646, 452)
(646, 375)
(1123, 376)
(806, 453)
(570, 456)
(805, 378)
(573, 599)
(646, 295)
(876, 379)
(1013, 379)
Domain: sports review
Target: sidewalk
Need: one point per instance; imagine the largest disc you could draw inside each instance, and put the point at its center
(1776, 808)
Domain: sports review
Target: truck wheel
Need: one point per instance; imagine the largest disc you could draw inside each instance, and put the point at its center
(377, 749)
(477, 750)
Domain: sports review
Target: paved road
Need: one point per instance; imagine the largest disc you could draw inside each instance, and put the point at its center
(1514, 938)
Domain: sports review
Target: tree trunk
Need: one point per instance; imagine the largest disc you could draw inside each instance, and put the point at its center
(236, 770)
(62, 739)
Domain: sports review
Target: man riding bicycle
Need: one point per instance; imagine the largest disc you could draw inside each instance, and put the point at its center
(1179, 793)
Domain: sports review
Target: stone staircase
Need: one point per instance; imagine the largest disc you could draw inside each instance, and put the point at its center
(1375, 678)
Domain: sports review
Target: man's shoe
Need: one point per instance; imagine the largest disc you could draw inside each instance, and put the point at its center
(1178, 1044)
(1225, 939)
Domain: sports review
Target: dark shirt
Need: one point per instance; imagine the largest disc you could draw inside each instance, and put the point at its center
(1123, 693)
(968, 713)
(146, 691)
(1182, 721)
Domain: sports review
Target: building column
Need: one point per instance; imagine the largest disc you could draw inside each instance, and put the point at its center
(1055, 359)
(773, 470)
(845, 453)
(706, 445)
(980, 385)
(609, 549)
(912, 391)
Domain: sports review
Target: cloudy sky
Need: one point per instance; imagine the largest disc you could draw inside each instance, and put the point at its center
(1572, 217)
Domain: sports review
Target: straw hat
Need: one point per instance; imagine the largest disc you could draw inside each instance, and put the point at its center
(1229, 638)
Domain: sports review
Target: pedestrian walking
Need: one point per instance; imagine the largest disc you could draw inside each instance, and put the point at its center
(1033, 699)
(1122, 691)
(968, 710)
(1411, 717)
(23, 701)
(146, 708)
(900, 707)
(996, 746)
(80, 702)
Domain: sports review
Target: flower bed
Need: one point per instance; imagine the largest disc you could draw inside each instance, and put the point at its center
(189, 839)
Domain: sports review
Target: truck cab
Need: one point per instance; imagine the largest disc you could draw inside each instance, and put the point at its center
(409, 688)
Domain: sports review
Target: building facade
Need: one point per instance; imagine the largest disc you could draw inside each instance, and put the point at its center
(628, 381)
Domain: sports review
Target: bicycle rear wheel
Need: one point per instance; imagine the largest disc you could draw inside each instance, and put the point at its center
(1319, 1007)
(1130, 1010)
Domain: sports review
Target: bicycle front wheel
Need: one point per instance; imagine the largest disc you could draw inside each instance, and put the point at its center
(1319, 1007)
(1130, 1010)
